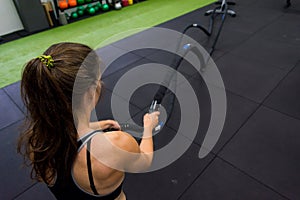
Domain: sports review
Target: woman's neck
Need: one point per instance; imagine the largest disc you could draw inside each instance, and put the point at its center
(83, 125)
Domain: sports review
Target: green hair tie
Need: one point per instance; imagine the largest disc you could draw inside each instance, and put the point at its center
(47, 60)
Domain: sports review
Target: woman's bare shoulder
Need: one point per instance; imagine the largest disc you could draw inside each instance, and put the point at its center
(116, 149)
(120, 139)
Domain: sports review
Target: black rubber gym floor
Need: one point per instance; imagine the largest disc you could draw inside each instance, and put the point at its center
(257, 156)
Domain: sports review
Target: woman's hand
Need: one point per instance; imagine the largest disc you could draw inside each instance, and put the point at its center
(151, 120)
(105, 124)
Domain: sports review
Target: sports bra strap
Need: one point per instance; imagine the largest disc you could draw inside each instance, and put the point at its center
(83, 140)
(87, 140)
(90, 173)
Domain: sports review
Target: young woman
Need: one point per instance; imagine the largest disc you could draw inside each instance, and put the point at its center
(66, 151)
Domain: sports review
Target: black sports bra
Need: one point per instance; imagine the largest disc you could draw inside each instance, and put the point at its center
(71, 190)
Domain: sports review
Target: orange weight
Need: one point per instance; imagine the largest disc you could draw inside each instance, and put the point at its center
(63, 5)
(72, 3)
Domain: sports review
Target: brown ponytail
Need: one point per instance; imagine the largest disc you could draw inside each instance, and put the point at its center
(49, 141)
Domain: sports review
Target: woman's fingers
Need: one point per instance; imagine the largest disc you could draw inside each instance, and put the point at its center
(106, 124)
(151, 120)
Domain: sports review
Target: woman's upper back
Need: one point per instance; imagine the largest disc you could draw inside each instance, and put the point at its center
(107, 181)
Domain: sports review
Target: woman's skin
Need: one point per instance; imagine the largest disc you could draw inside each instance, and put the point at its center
(107, 179)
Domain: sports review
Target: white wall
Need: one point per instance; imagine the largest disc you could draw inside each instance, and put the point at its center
(9, 18)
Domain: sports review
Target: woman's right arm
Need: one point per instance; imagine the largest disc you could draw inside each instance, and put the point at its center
(122, 152)
(146, 146)
(143, 152)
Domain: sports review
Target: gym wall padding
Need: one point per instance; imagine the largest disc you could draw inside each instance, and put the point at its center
(32, 15)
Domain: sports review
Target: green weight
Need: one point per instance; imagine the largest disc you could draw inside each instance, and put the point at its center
(105, 7)
(80, 8)
(99, 5)
(92, 11)
(96, 7)
(87, 8)
(80, 2)
(80, 12)
(74, 15)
